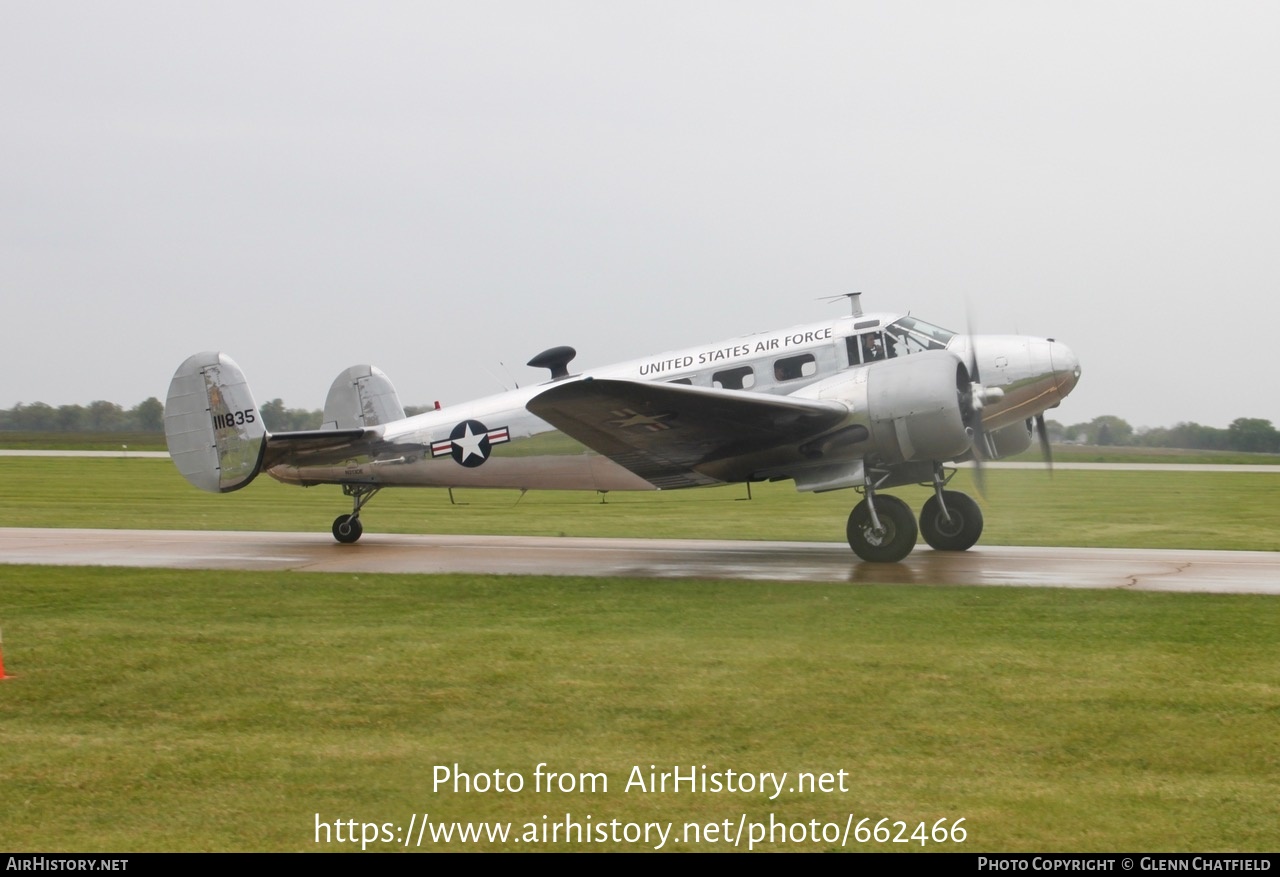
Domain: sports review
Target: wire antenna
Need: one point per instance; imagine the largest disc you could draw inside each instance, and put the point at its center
(855, 301)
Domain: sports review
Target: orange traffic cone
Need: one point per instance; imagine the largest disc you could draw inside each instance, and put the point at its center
(2, 673)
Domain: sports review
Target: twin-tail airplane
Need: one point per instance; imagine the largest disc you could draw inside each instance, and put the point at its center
(868, 401)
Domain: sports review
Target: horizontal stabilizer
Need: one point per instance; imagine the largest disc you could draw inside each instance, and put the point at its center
(675, 435)
(315, 446)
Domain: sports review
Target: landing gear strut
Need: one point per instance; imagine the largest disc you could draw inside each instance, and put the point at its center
(347, 528)
(881, 529)
(950, 520)
(888, 541)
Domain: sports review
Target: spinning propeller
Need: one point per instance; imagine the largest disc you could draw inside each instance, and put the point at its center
(1045, 451)
(973, 400)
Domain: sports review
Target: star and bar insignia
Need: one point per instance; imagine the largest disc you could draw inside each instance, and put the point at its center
(470, 443)
(628, 418)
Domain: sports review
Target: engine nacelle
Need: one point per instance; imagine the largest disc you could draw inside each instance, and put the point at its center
(914, 407)
(908, 409)
(1009, 440)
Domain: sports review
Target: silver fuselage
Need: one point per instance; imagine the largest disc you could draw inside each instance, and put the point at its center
(495, 442)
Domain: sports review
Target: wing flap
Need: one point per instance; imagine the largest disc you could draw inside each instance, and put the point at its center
(675, 435)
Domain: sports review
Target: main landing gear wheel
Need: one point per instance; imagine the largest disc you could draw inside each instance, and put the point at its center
(957, 534)
(895, 537)
(347, 529)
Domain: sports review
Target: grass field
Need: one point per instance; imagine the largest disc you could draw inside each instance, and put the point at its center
(151, 441)
(1126, 454)
(164, 710)
(167, 710)
(1231, 510)
(82, 441)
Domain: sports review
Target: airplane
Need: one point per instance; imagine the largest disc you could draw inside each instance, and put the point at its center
(869, 401)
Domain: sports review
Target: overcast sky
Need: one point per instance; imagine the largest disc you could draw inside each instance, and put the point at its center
(438, 188)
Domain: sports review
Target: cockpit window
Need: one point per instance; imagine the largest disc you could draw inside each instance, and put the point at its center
(917, 335)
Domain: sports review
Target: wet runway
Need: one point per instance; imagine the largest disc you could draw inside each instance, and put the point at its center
(1256, 572)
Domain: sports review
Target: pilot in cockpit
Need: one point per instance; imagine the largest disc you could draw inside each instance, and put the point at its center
(872, 349)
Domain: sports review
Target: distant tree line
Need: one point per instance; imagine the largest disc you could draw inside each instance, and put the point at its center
(146, 416)
(1246, 434)
(97, 416)
(281, 419)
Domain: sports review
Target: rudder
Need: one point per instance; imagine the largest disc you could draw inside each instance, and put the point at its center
(212, 424)
(361, 396)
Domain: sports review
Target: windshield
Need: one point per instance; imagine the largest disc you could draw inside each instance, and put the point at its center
(918, 335)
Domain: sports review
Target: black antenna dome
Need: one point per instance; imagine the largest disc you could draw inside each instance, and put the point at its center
(556, 359)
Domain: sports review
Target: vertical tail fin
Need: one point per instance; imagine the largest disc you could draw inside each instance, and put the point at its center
(361, 396)
(212, 424)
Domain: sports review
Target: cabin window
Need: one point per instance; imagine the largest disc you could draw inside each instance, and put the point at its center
(741, 378)
(795, 367)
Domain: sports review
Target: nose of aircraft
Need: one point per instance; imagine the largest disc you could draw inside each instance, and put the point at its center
(1066, 368)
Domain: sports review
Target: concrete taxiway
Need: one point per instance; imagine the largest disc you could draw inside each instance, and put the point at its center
(1256, 572)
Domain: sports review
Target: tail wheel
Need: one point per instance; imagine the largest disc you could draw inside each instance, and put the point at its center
(347, 529)
(961, 531)
(892, 540)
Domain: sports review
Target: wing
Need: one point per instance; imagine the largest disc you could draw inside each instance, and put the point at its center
(675, 435)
